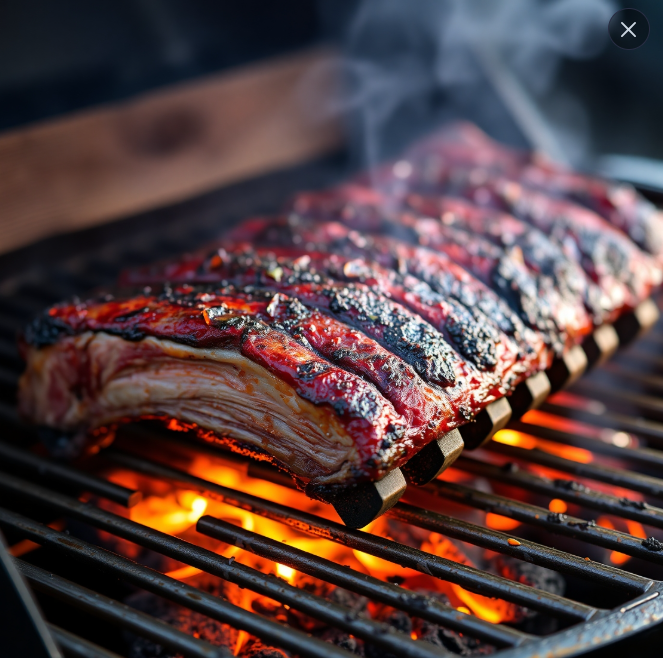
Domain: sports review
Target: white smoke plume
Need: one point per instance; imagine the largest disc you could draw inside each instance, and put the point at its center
(409, 65)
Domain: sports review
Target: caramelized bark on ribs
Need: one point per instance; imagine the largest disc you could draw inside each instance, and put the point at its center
(624, 274)
(391, 324)
(314, 261)
(582, 297)
(463, 146)
(557, 315)
(477, 323)
(224, 361)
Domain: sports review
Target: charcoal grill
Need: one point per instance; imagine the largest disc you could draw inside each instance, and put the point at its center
(621, 399)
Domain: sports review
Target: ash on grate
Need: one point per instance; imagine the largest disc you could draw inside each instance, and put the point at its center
(360, 606)
(186, 620)
(255, 648)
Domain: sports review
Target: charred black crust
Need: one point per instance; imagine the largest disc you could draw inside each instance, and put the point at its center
(524, 295)
(311, 370)
(133, 334)
(355, 404)
(475, 341)
(653, 544)
(406, 334)
(132, 314)
(419, 343)
(45, 330)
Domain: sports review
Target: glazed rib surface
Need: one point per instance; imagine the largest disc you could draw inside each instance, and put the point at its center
(462, 146)
(340, 338)
(223, 362)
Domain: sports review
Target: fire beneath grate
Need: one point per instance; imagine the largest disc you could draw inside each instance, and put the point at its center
(549, 541)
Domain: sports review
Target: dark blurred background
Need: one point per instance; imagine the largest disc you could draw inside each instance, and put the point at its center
(408, 66)
(623, 90)
(58, 57)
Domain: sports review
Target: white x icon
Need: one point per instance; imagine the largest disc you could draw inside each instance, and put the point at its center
(628, 29)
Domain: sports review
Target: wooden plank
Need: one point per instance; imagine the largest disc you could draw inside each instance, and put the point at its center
(161, 148)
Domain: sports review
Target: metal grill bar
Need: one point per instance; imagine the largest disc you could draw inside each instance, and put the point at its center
(64, 474)
(405, 556)
(377, 633)
(174, 590)
(648, 429)
(393, 595)
(647, 456)
(529, 551)
(119, 614)
(560, 524)
(478, 535)
(635, 353)
(568, 490)
(77, 646)
(644, 403)
(645, 484)
(647, 379)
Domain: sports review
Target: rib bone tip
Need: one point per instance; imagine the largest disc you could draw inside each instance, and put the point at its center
(360, 505)
(600, 345)
(566, 369)
(434, 458)
(530, 394)
(489, 421)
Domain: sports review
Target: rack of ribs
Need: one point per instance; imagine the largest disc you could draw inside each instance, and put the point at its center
(548, 291)
(462, 146)
(496, 349)
(362, 339)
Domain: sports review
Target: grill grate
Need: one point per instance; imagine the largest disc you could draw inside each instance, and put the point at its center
(619, 397)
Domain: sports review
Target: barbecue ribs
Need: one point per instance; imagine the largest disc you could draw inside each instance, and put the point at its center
(462, 146)
(341, 338)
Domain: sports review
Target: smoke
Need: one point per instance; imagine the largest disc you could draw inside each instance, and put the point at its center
(409, 65)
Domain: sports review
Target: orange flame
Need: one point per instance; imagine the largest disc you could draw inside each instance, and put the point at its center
(499, 522)
(175, 511)
(558, 506)
(522, 440)
(632, 527)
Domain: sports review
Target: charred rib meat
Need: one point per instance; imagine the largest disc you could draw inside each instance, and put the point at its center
(543, 304)
(462, 146)
(222, 362)
(341, 338)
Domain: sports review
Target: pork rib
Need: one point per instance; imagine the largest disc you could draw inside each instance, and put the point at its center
(557, 314)
(224, 362)
(477, 323)
(463, 146)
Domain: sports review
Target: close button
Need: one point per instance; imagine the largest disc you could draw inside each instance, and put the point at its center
(628, 28)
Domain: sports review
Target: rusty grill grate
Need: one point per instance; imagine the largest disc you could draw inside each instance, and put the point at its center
(619, 402)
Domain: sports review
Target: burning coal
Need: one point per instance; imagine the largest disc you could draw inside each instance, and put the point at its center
(176, 510)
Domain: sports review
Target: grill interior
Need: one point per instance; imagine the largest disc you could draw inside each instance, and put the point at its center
(577, 481)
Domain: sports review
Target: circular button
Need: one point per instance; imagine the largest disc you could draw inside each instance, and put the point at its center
(628, 29)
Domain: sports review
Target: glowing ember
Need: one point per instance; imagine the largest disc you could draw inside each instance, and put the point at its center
(172, 514)
(571, 426)
(285, 572)
(558, 506)
(175, 511)
(522, 440)
(632, 527)
(499, 522)
(492, 610)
